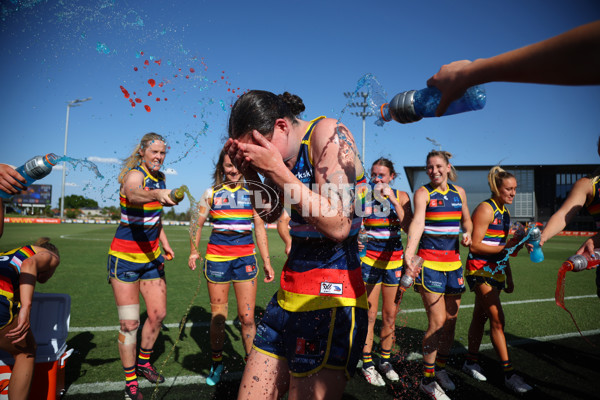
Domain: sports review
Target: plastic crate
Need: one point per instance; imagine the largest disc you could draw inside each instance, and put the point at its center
(50, 317)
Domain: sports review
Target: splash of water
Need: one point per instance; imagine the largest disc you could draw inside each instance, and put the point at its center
(500, 265)
(82, 163)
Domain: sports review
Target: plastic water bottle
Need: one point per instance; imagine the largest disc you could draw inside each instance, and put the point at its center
(413, 105)
(36, 168)
(579, 262)
(363, 238)
(407, 281)
(177, 194)
(536, 255)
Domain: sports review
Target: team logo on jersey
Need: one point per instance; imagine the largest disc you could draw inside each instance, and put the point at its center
(307, 347)
(250, 268)
(398, 273)
(497, 221)
(436, 203)
(331, 288)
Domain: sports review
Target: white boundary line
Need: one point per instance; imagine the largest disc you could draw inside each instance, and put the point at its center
(101, 387)
(230, 322)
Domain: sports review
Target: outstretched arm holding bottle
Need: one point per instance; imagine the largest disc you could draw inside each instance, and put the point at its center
(573, 55)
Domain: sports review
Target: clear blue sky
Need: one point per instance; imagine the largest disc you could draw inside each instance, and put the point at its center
(56, 51)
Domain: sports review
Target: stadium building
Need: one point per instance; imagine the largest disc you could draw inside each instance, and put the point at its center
(541, 189)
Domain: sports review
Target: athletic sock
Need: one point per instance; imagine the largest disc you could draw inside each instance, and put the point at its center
(130, 376)
(385, 355)
(217, 357)
(428, 372)
(508, 368)
(144, 357)
(441, 360)
(472, 358)
(367, 360)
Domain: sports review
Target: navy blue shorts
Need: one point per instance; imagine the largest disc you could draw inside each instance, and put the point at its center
(8, 310)
(442, 282)
(474, 280)
(311, 340)
(130, 272)
(239, 270)
(374, 276)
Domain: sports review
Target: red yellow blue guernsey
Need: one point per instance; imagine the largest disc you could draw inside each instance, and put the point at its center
(593, 207)
(439, 242)
(232, 215)
(10, 269)
(495, 235)
(382, 224)
(137, 236)
(319, 273)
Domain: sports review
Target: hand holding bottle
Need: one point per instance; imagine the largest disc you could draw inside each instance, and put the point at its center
(407, 280)
(36, 168)
(11, 181)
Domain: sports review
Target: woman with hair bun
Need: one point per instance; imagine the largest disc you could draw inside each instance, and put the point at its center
(20, 269)
(441, 213)
(311, 335)
(488, 274)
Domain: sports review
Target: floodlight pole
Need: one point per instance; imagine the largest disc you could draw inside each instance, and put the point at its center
(72, 103)
(363, 114)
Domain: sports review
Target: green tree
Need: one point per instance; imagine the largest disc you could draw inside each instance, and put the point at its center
(77, 201)
(48, 211)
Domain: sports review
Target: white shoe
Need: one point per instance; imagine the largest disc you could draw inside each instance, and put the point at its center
(434, 391)
(372, 376)
(474, 371)
(517, 384)
(444, 379)
(388, 371)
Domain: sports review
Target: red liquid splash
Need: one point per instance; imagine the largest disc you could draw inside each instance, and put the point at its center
(138, 100)
(559, 295)
(147, 107)
(151, 82)
(125, 92)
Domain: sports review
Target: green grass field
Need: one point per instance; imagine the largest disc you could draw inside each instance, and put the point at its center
(545, 345)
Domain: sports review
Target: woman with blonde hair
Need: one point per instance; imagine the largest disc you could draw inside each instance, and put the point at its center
(230, 256)
(20, 269)
(135, 263)
(441, 213)
(489, 272)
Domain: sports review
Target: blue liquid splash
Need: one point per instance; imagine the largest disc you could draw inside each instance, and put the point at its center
(82, 163)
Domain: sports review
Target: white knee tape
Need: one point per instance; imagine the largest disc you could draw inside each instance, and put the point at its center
(130, 312)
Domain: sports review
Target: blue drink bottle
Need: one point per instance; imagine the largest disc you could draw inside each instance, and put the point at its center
(536, 255)
(36, 168)
(413, 105)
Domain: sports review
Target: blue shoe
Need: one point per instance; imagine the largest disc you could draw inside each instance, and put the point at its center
(215, 375)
